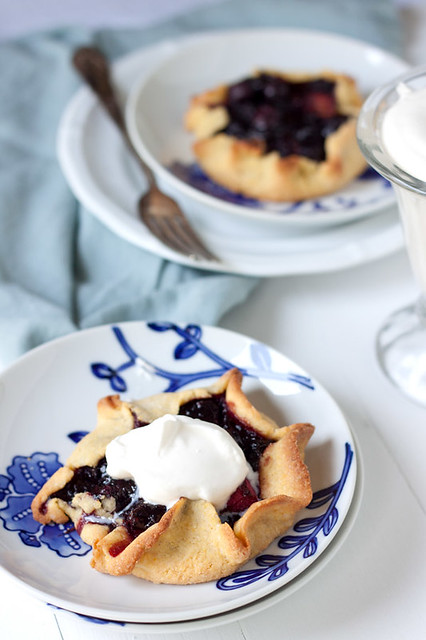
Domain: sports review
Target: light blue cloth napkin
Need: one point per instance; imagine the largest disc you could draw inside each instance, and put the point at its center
(61, 269)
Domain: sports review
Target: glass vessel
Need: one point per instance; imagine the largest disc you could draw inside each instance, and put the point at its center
(401, 342)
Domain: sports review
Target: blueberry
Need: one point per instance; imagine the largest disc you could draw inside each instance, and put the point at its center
(141, 516)
(330, 125)
(266, 117)
(243, 90)
(276, 89)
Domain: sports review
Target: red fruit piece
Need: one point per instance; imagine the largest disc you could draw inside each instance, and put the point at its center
(322, 104)
(242, 497)
(116, 548)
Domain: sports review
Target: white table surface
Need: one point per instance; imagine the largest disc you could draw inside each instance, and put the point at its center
(375, 585)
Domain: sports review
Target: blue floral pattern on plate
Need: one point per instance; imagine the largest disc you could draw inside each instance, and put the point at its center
(24, 478)
(91, 619)
(308, 530)
(193, 175)
(189, 344)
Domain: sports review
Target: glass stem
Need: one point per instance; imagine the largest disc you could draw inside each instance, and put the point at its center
(421, 308)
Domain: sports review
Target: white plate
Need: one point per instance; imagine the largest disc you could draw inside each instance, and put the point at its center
(49, 397)
(157, 105)
(107, 180)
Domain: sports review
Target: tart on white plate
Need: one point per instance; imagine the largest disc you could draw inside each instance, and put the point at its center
(279, 136)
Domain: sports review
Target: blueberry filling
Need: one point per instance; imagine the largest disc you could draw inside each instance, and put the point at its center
(130, 511)
(133, 512)
(292, 118)
(97, 482)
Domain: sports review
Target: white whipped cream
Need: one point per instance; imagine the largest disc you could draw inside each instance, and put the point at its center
(178, 456)
(404, 131)
(404, 137)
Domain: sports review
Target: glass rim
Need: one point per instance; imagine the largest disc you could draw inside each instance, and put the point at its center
(369, 139)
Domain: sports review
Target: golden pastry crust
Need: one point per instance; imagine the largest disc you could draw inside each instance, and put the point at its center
(242, 165)
(189, 544)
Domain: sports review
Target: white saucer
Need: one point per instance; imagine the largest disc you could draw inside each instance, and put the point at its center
(107, 180)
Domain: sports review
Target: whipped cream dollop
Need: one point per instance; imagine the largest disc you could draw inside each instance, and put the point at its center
(404, 131)
(177, 456)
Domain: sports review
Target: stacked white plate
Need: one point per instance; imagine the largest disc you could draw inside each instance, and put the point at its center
(355, 225)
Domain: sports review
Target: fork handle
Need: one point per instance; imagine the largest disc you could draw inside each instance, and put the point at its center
(94, 68)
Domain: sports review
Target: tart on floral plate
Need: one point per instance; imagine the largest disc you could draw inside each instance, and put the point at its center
(180, 487)
(49, 404)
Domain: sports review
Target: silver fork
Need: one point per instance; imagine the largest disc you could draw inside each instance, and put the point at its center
(160, 213)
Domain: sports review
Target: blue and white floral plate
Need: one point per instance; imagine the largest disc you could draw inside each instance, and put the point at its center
(48, 402)
(358, 224)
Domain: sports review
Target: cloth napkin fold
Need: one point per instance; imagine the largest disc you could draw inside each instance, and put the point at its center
(61, 269)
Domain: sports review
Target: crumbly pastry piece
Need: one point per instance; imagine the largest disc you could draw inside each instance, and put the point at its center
(190, 542)
(279, 136)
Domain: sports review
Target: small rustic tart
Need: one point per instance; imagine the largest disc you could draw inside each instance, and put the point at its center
(279, 136)
(191, 541)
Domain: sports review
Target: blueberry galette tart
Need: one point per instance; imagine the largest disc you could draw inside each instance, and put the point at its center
(279, 136)
(180, 487)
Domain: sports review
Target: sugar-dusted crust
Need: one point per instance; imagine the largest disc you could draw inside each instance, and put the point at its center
(243, 166)
(189, 544)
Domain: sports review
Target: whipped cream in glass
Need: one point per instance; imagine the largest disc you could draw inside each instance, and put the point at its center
(392, 136)
(404, 138)
(177, 456)
(404, 130)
